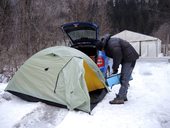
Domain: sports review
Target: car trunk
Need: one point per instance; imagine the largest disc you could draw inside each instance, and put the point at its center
(89, 50)
(83, 37)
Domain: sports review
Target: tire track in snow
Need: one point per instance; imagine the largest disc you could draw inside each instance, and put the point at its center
(44, 116)
(5, 97)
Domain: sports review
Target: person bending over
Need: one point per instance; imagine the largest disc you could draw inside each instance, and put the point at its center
(122, 53)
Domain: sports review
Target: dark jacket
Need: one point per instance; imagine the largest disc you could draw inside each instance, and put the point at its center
(119, 50)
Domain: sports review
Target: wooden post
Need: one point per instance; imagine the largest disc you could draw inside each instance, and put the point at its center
(167, 45)
(140, 48)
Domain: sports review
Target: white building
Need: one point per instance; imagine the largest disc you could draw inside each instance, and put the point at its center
(146, 46)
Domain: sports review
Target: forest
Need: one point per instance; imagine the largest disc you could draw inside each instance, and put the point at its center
(28, 26)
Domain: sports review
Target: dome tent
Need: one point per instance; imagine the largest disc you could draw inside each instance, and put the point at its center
(60, 76)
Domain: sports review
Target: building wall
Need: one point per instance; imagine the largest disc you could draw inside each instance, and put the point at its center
(145, 45)
(147, 48)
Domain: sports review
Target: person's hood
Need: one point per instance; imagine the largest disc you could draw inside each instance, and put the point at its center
(105, 39)
(100, 44)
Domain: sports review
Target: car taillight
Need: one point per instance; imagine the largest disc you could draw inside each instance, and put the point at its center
(100, 62)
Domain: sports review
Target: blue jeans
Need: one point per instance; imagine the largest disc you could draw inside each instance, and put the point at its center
(126, 72)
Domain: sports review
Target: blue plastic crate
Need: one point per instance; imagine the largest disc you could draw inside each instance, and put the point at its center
(114, 80)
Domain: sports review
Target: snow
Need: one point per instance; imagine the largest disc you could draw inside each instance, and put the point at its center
(148, 105)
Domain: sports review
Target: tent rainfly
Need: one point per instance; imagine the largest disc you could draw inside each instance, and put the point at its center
(146, 46)
(60, 76)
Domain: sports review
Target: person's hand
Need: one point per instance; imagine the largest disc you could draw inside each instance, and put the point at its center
(115, 71)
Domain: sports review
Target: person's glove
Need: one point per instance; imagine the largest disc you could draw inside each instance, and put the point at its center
(115, 71)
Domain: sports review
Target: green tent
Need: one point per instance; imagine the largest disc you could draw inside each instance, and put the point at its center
(60, 76)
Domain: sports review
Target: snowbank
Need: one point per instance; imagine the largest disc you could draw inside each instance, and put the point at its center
(148, 106)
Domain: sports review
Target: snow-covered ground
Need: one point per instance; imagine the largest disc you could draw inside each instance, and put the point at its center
(148, 106)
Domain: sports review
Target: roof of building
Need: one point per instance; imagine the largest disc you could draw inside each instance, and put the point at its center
(134, 36)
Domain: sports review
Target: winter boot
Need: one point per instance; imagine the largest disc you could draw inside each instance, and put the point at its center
(125, 97)
(117, 100)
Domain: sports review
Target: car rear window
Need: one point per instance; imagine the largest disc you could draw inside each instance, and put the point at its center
(82, 34)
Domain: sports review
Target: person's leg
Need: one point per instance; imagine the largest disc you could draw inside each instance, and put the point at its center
(126, 72)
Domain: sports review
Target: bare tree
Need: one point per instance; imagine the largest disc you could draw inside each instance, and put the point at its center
(89, 11)
(163, 33)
